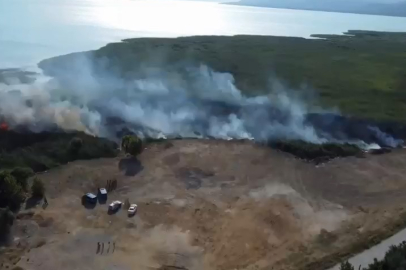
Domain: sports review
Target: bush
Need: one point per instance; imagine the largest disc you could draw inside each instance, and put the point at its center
(395, 258)
(132, 145)
(346, 266)
(75, 145)
(317, 152)
(11, 192)
(37, 188)
(21, 174)
(45, 150)
(6, 221)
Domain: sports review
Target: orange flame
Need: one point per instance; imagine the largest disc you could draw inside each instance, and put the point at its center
(3, 126)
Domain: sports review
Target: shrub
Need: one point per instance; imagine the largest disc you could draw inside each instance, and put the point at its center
(132, 145)
(45, 150)
(310, 151)
(21, 174)
(6, 221)
(346, 266)
(75, 145)
(395, 258)
(37, 188)
(11, 192)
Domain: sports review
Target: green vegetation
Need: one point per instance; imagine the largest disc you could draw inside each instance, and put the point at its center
(395, 258)
(132, 145)
(14, 186)
(42, 151)
(317, 152)
(361, 73)
(21, 175)
(11, 192)
(346, 266)
(75, 145)
(22, 154)
(37, 188)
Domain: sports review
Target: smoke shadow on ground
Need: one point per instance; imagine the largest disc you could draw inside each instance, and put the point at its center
(130, 165)
(32, 202)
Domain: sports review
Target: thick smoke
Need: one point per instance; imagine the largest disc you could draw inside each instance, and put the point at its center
(194, 103)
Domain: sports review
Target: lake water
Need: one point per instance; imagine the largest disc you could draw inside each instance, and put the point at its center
(31, 30)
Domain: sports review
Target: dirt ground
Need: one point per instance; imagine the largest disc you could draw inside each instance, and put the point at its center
(210, 205)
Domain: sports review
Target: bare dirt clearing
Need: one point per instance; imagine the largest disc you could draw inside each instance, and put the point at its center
(212, 205)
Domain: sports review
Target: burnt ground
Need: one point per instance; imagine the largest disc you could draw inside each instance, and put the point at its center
(212, 205)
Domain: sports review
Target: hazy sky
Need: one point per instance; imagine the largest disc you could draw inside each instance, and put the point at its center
(372, 1)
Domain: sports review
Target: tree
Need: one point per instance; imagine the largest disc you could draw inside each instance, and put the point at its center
(11, 192)
(346, 266)
(6, 221)
(75, 145)
(37, 188)
(21, 174)
(132, 145)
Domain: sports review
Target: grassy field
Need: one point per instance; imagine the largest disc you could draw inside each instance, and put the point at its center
(362, 73)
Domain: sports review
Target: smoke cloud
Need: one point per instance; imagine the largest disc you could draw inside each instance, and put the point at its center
(161, 102)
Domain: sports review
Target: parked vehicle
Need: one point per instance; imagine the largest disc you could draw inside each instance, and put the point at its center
(90, 198)
(132, 210)
(103, 194)
(114, 206)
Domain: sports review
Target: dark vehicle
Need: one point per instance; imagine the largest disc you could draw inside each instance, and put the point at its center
(90, 198)
(102, 195)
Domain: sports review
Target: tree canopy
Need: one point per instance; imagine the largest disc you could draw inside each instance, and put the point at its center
(132, 145)
(395, 258)
(21, 175)
(11, 191)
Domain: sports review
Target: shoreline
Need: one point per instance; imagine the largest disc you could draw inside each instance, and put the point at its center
(316, 10)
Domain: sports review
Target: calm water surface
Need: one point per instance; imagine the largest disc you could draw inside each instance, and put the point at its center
(31, 30)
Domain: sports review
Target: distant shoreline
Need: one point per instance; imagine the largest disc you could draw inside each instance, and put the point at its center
(318, 10)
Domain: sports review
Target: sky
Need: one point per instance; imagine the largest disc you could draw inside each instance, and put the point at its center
(371, 1)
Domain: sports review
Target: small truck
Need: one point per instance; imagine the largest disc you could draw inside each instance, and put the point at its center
(103, 194)
(114, 206)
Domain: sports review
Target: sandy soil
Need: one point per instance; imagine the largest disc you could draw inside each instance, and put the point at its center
(211, 205)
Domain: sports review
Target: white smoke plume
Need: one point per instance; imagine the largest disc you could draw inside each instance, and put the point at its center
(159, 103)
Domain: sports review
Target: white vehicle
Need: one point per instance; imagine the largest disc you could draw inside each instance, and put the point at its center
(115, 205)
(133, 209)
